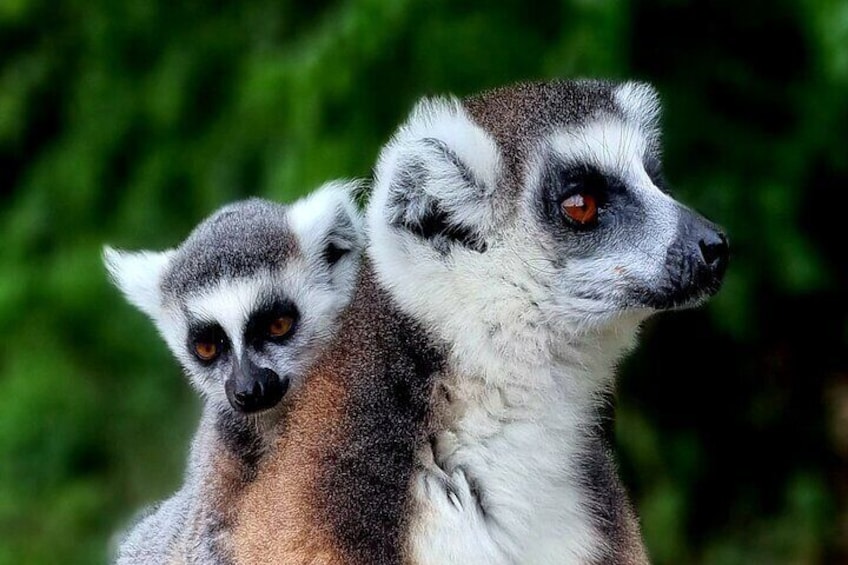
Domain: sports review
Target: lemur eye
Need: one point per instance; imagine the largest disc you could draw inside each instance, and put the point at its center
(207, 343)
(280, 326)
(206, 350)
(580, 208)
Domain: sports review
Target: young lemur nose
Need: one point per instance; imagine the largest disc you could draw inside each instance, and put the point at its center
(262, 390)
(715, 252)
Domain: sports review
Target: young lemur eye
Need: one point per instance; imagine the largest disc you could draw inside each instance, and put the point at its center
(281, 326)
(206, 351)
(208, 343)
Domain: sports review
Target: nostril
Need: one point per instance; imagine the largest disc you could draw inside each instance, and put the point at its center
(714, 250)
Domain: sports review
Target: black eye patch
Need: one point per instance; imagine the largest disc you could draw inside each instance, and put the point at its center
(257, 330)
(563, 180)
(211, 335)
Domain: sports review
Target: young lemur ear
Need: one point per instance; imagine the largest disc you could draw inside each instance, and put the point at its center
(328, 223)
(137, 274)
(438, 172)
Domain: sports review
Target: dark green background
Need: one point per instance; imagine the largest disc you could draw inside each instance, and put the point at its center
(128, 122)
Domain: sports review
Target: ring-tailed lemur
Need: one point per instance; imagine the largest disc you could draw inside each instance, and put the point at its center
(517, 239)
(245, 304)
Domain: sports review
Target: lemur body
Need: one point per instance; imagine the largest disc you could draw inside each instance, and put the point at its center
(516, 241)
(246, 304)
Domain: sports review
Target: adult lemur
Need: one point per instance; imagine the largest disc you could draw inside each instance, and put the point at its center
(245, 304)
(517, 240)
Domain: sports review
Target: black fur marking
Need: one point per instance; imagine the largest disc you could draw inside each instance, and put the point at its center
(467, 176)
(610, 508)
(387, 364)
(256, 332)
(478, 495)
(653, 167)
(436, 226)
(332, 253)
(204, 332)
(341, 240)
(419, 213)
(241, 439)
(428, 220)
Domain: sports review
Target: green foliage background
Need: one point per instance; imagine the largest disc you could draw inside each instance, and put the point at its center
(128, 122)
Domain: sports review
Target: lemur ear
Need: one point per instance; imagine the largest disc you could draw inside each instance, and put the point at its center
(437, 174)
(137, 274)
(328, 223)
(640, 102)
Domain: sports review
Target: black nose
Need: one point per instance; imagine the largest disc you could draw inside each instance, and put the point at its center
(260, 390)
(715, 252)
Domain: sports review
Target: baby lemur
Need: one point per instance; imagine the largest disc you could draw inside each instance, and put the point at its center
(245, 303)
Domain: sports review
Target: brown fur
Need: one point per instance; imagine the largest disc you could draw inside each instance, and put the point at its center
(277, 516)
(213, 508)
(335, 487)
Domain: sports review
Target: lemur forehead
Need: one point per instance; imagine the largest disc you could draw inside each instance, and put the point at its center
(527, 110)
(611, 144)
(238, 241)
(230, 302)
(519, 116)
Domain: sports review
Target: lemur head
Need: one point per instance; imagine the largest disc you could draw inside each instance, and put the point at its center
(250, 297)
(541, 206)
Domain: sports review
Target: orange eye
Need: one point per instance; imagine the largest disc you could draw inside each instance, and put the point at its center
(206, 351)
(580, 208)
(281, 326)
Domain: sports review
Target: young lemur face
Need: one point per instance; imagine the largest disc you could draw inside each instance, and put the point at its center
(252, 295)
(545, 197)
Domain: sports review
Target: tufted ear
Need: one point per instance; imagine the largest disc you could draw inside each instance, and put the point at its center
(328, 223)
(137, 274)
(438, 172)
(640, 103)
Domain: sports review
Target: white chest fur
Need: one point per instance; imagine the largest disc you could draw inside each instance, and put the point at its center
(501, 483)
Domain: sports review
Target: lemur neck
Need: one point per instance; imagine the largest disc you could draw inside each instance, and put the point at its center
(529, 439)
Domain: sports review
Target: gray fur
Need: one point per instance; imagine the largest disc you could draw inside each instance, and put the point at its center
(236, 241)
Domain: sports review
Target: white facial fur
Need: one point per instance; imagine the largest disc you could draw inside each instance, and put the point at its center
(592, 290)
(318, 290)
(519, 281)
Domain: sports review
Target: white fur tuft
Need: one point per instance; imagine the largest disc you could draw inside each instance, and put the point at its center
(314, 216)
(445, 121)
(640, 103)
(137, 274)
